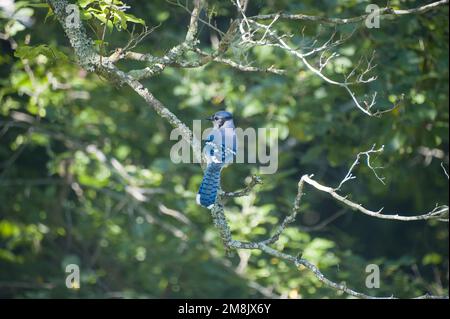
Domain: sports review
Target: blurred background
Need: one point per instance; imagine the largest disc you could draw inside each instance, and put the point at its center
(86, 176)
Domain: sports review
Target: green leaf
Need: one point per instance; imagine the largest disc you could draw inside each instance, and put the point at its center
(86, 15)
(432, 259)
(120, 15)
(132, 18)
(85, 3)
(102, 18)
(14, 27)
(50, 13)
(30, 52)
(38, 5)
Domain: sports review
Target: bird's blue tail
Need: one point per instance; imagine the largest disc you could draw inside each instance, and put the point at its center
(210, 184)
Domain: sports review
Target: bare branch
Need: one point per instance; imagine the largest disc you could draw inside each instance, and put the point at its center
(179, 4)
(350, 175)
(221, 223)
(445, 171)
(439, 212)
(120, 53)
(172, 57)
(176, 52)
(240, 67)
(279, 41)
(288, 219)
(329, 44)
(387, 12)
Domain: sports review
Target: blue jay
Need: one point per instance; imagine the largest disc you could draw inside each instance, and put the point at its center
(220, 150)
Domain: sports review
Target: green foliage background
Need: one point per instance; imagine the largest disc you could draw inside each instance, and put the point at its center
(61, 204)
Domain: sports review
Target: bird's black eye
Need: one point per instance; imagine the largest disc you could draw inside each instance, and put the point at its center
(215, 118)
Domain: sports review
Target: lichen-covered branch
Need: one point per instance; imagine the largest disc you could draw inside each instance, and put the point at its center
(76, 33)
(221, 223)
(288, 219)
(172, 58)
(90, 60)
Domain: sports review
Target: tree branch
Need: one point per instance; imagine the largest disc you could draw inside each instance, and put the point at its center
(278, 41)
(439, 212)
(255, 180)
(350, 175)
(221, 223)
(387, 12)
(176, 52)
(90, 60)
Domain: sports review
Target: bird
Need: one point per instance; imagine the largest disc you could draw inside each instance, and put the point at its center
(219, 151)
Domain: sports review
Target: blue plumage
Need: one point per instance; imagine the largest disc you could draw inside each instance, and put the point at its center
(220, 150)
(210, 184)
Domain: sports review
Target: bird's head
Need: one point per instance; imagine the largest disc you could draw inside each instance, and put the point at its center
(220, 118)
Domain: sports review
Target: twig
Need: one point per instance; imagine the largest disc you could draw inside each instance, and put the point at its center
(390, 12)
(350, 175)
(255, 180)
(445, 171)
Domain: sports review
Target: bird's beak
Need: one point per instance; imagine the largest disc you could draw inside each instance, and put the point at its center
(209, 118)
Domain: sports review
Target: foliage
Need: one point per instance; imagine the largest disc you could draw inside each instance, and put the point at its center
(73, 148)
